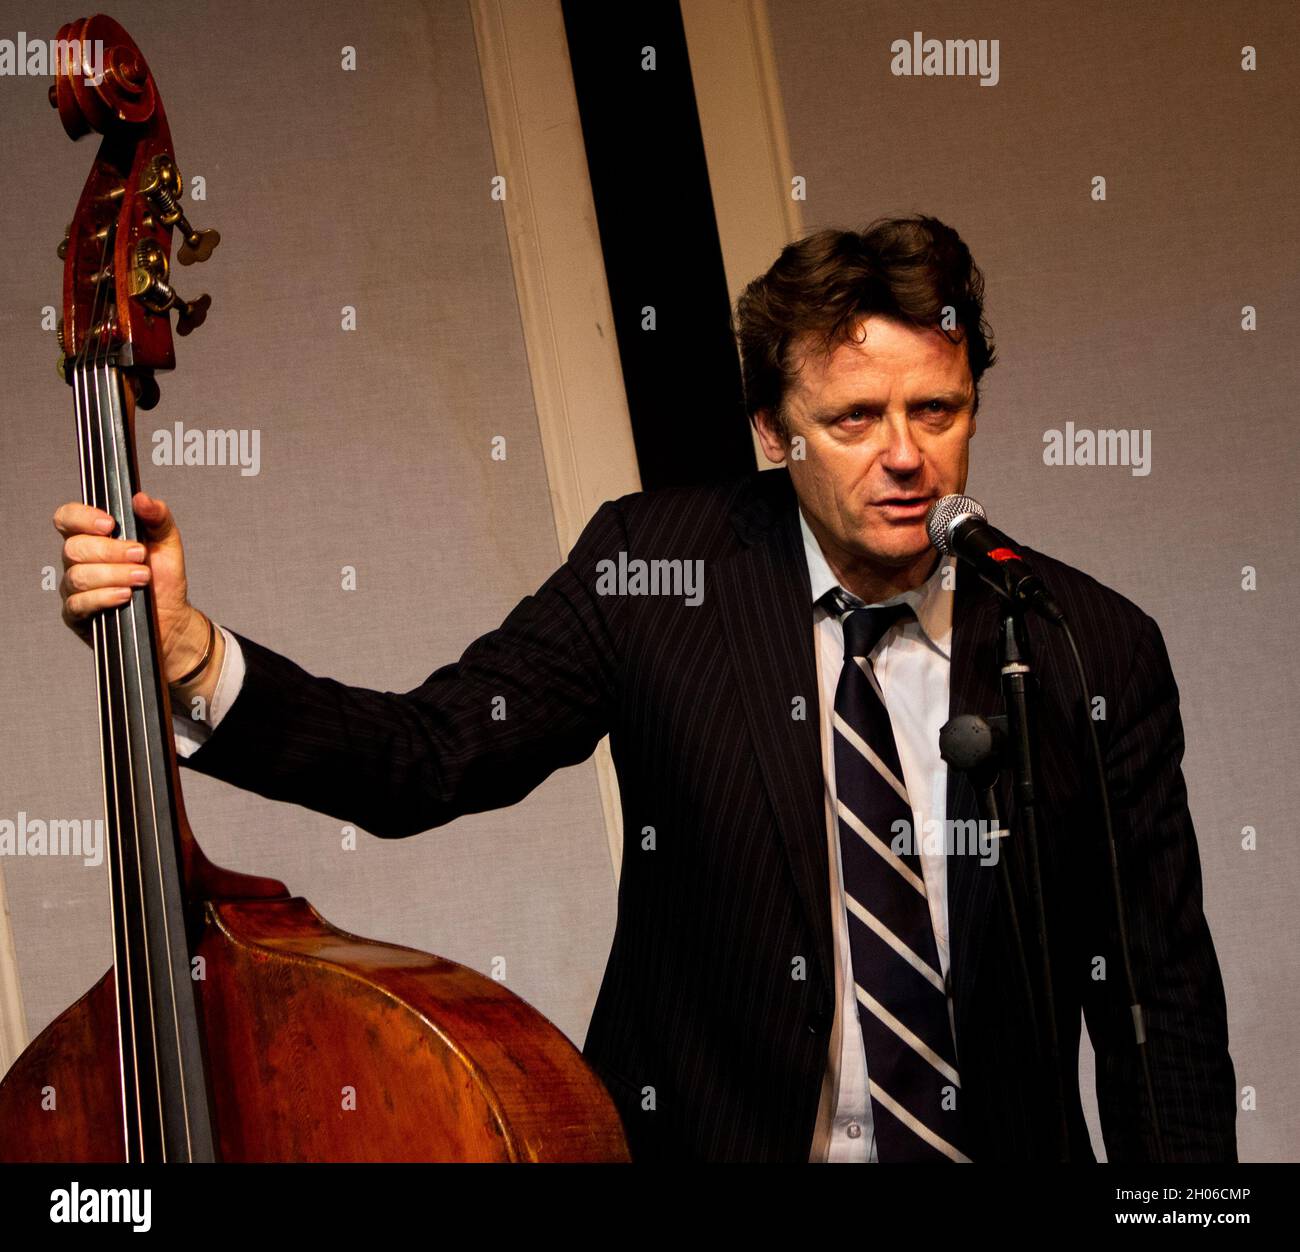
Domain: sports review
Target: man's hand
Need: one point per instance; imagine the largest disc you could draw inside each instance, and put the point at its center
(100, 572)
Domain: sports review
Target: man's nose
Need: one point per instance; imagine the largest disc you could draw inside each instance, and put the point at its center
(902, 455)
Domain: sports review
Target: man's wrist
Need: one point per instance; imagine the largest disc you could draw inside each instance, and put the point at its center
(201, 658)
(187, 652)
(192, 674)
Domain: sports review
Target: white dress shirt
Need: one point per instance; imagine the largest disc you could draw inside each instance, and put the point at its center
(911, 663)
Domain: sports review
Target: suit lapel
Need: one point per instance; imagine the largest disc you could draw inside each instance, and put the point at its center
(765, 602)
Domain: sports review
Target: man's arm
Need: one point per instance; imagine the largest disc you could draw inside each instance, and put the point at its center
(535, 694)
(1174, 963)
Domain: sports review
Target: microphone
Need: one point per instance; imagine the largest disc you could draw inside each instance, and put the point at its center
(975, 745)
(958, 525)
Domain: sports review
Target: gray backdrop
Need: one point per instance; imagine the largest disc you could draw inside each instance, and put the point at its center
(1125, 313)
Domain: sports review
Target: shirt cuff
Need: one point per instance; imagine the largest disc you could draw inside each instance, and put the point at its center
(193, 732)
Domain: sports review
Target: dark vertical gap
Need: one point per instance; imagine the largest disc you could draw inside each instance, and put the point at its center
(654, 208)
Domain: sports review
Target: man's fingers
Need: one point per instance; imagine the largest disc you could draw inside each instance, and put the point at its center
(77, 608)
(82, 519)
(155, 514)
(81, 577)
(100, 548)
(100, 572)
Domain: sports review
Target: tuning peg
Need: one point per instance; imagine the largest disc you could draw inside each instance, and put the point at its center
(160, 296)
(193, 315)
(149, 285)
(198, 245)
(95, 237)
(147, 394)
(161, 183)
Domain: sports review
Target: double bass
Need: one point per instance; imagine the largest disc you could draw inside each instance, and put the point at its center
(235, 1024)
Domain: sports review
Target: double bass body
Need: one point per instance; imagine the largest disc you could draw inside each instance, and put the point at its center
(322, 1046)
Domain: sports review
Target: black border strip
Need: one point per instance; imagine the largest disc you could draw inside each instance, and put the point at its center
(659, 237)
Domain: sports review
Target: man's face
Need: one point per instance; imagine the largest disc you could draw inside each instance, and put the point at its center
(885, 420)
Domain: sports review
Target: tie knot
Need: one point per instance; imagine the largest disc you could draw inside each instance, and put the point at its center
(864, 627)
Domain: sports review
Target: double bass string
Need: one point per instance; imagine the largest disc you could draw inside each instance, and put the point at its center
(121, 475)
(109, 441)
(98, 484)
(113, 679)
(122, 981)
(121, 951)
(105, 439)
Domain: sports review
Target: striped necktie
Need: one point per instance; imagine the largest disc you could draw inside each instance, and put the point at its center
(902, 1003)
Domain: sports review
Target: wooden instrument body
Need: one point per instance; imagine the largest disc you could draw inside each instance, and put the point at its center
(323, 1046)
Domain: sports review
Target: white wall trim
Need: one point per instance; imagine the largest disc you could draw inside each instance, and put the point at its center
(13, 1018)
(568, 325)
(746, 141)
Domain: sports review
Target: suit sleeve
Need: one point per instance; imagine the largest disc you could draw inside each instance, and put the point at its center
(525, 699)
(1174, 962)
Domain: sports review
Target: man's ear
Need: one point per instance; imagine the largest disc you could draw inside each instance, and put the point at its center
(774, 447)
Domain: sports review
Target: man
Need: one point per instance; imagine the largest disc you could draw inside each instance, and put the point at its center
(788, 979)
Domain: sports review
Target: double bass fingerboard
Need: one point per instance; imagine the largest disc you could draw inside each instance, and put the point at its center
(165, 1103)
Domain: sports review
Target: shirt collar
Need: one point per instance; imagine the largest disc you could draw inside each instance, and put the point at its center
(931, 601)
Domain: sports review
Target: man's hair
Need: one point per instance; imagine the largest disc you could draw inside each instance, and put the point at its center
(911, 269)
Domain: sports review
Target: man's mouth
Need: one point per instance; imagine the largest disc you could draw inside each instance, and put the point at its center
(905, 504)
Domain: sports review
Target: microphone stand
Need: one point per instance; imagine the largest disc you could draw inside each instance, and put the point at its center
(1015, 666)
(957, 524)
(976, 746)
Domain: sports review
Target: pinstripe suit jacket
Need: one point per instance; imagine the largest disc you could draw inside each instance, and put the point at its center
(702, 998)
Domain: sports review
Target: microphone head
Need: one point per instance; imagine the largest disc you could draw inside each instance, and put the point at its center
(945, 513)
(970, 742)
